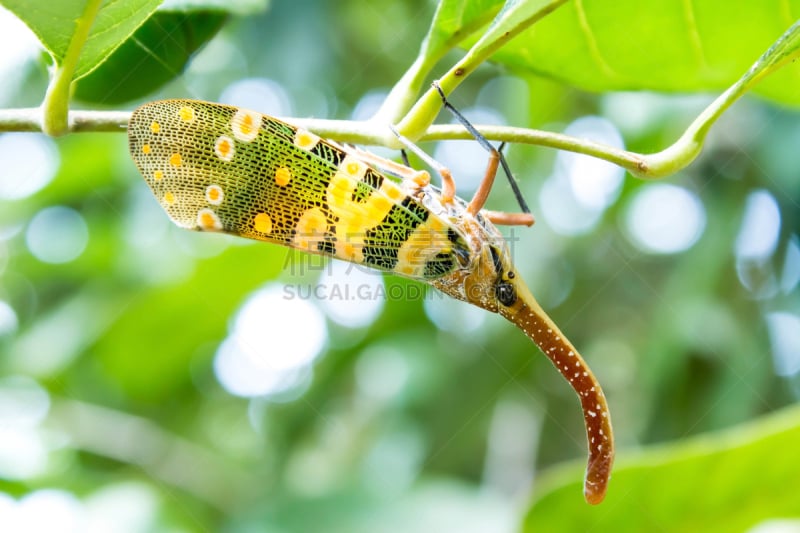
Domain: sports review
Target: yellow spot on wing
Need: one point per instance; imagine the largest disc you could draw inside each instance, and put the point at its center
(348, 251)
(305, 139)
(169, 198)
(186, 113)
(145, 148)
(427, 241)
(262, 223)
(352, 167)
(223, 147)
(208, 220)
(283, 176)
(393, 191)
(310, 229)
(175, 160)
(158, 175)
(379, 207)
(356, 217)
(214, 194)
(245, 125)
(155, 127)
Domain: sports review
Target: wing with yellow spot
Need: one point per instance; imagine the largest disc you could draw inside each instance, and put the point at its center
(214, 167)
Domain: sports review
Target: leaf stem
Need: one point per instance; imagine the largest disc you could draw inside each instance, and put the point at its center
(404, 93)
(502, 30)
(55, 107)
(688, 146)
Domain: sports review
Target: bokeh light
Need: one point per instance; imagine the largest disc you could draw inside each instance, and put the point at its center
(368, 105)
(29, 161)
(350, 295)
(51, 510)
(8, 319)
(57, 235)
(561, 210)
(20, 47)
(574, 198)
(382, 372)
(595, 183)
(130, 507)
(784, 333)
(760, 229)
(452, 315)
(259, 94)
(790, 276)
(274, 338)
(23, 406)
(664, 219)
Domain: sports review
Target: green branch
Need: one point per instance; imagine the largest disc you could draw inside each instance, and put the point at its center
(30, 120)
(375, 132)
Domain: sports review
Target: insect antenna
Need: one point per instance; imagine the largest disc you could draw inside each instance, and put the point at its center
(404, 157)
(484, 142)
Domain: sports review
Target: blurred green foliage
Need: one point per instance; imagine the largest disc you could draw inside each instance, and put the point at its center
(405, 426)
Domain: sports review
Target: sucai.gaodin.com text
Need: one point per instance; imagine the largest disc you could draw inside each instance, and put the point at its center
(363, 291)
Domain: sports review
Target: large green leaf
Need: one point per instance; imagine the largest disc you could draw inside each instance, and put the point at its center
(55, 23)
(663, 45)
(728, 481)
(156, 53)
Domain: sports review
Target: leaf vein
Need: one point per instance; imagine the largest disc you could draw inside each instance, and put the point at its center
(694, 33)
(591, 41)
(786, 12)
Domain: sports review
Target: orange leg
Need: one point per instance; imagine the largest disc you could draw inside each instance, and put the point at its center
(500, 218)
(495, 157)
(482, 194)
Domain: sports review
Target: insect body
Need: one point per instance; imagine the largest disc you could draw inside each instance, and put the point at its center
(219, 168)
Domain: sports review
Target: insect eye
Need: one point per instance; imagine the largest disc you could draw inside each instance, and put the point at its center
(506, 294)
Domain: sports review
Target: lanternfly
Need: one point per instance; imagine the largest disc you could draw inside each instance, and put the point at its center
(218, 168)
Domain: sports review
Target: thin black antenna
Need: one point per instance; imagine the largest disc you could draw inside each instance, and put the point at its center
(484, 142)
(404, 155)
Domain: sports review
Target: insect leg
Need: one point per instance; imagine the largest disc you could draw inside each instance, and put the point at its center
(495, 156)
(448, 184)
(500, 218)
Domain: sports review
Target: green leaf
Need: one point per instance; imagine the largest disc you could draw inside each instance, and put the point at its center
(727, 481)
(662, 45)
(158, 52)
(515, 17)
(55, 23)
(455, 20)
